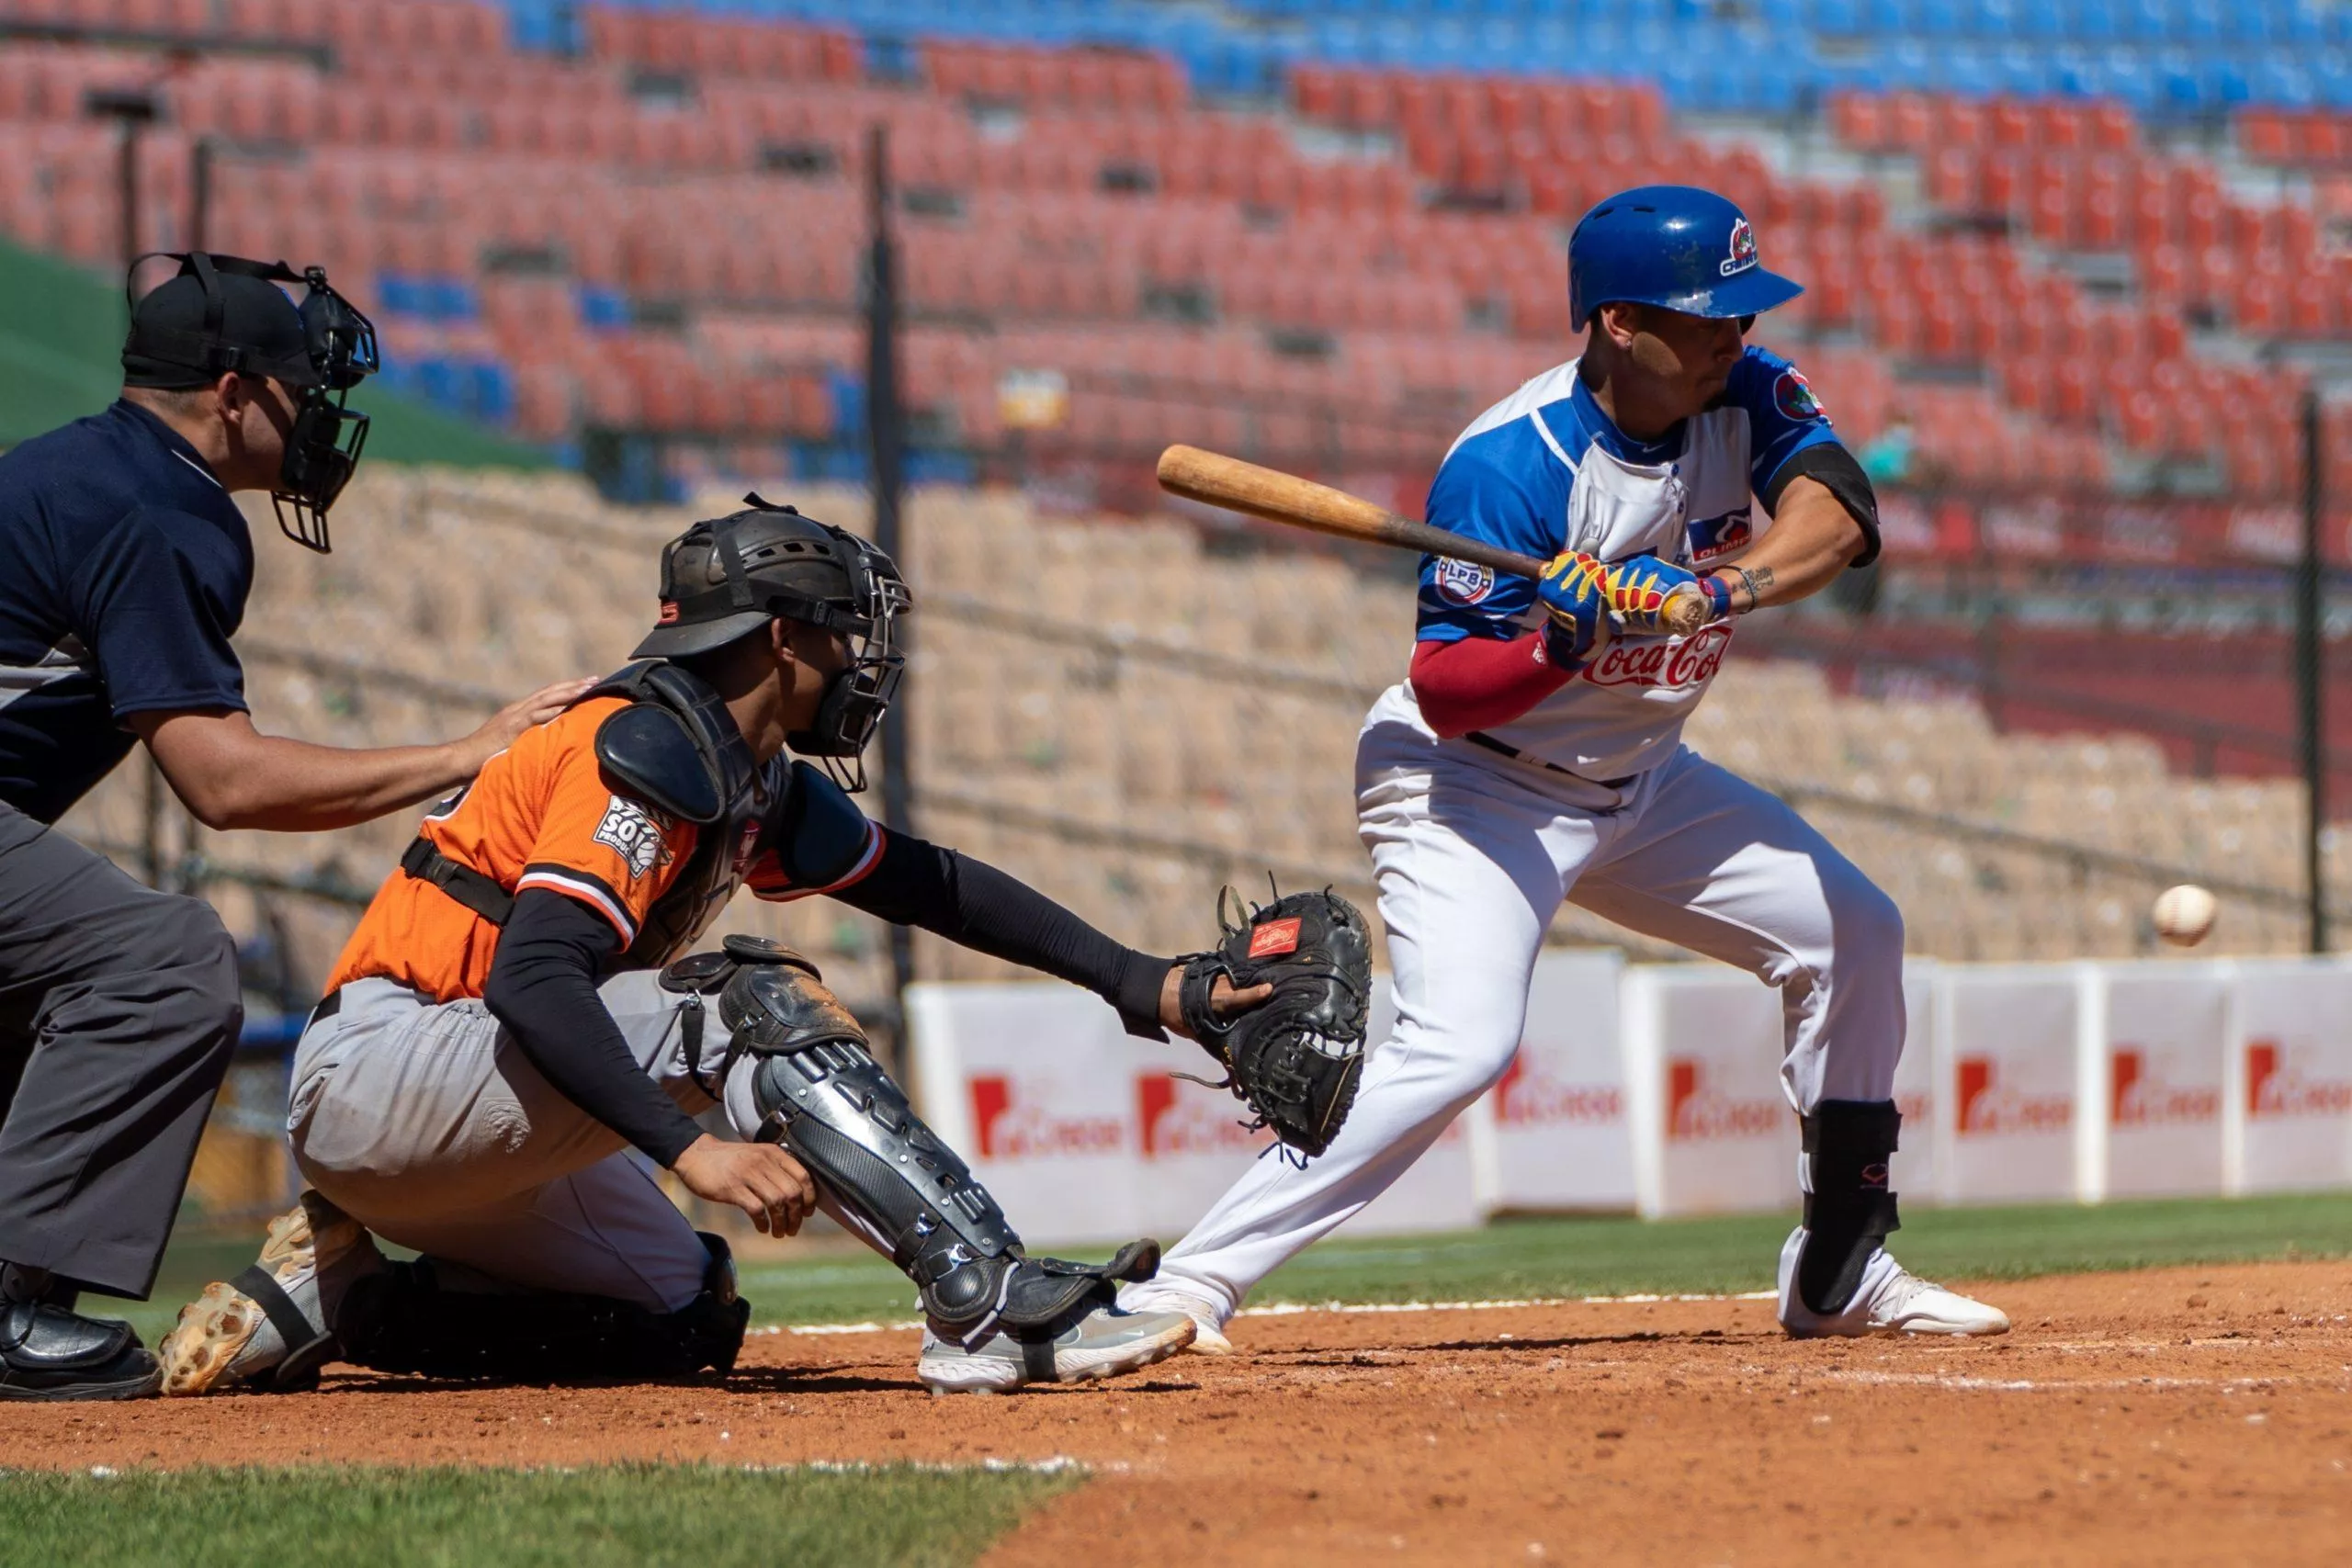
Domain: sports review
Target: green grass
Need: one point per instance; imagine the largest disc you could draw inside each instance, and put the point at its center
(1583, 1256)
(504, 1519)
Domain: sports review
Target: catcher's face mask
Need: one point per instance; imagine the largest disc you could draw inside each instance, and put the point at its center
(861, 691)
(318, 351)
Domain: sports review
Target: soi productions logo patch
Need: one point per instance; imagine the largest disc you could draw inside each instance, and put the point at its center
(1693, 1111)
(2275, 1089)
(1988, 1106)
(1662, 663)
(1176, 1122)
(1011, 1129)
(1529, 1097)
(1460, 582)
(2142, 1099)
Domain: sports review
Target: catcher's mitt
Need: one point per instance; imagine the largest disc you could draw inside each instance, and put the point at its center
(1295, 1058)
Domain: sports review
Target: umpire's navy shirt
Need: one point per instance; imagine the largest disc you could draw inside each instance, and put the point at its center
(124, 568)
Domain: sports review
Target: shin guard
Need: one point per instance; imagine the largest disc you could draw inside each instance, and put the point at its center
(821, 1093)
(1848, 1207)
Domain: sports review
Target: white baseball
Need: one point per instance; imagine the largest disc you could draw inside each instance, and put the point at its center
(2184, 914)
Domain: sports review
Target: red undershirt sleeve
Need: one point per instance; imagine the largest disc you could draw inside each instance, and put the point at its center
(1478, 683)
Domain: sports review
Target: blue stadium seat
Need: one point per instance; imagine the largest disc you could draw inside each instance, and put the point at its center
(1837, 18)
(2143, 20)
(2094, 21)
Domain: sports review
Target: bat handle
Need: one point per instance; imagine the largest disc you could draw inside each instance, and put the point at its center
(1686, 610)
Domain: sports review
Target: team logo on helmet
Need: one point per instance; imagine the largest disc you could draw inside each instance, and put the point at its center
(1792, 395)
(1461, 582)
(1743, 249)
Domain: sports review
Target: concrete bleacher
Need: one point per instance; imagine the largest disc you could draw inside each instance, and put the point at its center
(1081, 716)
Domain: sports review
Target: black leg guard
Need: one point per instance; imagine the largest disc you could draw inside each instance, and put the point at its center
(402, 1321)
(1848, 1208)
(821, 1094)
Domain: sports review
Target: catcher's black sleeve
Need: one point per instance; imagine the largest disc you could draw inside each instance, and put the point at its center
(972, 903)
(542, 986)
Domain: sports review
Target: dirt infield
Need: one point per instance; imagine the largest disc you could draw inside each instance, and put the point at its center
(2179, 1415)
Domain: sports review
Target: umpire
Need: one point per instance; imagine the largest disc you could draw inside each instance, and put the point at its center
(124, 568)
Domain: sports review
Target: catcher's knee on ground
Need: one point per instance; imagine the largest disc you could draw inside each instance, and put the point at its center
(800, 1074)
(407, 1320)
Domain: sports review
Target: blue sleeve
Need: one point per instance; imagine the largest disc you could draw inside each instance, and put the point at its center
(1784, 416)
(157, 607)
(1482, 493)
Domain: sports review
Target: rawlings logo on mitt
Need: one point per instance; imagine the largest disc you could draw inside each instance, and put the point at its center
(1295, 1058)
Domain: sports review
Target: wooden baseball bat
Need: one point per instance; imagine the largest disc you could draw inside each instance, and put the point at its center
(1277, 497)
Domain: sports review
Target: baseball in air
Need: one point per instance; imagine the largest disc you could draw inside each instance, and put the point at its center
(2184, 914)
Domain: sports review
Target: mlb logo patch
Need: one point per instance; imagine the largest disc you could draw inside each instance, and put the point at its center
(1792, 395)
(1743, 249)
(1274, 937)
(1460, 582)
(1712, 536)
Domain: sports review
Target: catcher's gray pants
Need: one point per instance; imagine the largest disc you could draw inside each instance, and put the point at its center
(118, 1011)
(426, 1123)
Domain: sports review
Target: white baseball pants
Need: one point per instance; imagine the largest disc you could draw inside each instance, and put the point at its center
(1474, 852)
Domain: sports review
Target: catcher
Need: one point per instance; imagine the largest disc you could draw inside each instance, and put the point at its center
(511, 1044)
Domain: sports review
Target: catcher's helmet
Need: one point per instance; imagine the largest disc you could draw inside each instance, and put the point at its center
(728, 578)
(1675, 246)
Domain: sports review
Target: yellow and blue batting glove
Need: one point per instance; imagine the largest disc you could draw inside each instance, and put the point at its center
(1640, 587)
(1573, 592)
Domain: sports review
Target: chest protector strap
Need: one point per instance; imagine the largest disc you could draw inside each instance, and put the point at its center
(482, 895)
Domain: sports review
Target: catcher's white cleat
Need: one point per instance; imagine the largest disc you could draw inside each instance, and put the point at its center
(267, 1329)
(1208, 1320)
(1103, 1344)
(1890, 1299)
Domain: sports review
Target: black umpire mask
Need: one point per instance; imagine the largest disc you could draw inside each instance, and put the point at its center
(220, 314)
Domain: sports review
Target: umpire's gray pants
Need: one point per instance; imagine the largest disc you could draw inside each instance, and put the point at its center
(118, 1011)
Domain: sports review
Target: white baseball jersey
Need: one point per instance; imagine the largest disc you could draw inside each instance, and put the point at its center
(1474, 851)
(1546, 470)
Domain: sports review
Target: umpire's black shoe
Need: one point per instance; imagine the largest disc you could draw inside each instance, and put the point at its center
(51, 1352)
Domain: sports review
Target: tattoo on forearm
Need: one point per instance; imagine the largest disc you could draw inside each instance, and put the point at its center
(1756, 581)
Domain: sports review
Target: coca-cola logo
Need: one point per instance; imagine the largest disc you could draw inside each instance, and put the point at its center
(1009, 1129)
(2142, 1099)
(1527, 1096)
(1175, 1123)
(1671, 666)
(2275, 1089)
(1988, 1106)
(1694, 1112)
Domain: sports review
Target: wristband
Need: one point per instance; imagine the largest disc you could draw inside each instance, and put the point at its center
(1718, 593)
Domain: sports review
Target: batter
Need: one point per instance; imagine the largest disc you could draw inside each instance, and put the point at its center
(1536, 755)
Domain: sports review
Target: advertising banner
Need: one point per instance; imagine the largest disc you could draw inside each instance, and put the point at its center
(1082, 1133)
(1553, 1134)
(2008, 1040)
(2290, 1095)
(2162, 1052)
(1712, 1130)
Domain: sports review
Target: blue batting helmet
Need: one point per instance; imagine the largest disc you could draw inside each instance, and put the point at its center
(1676, 246)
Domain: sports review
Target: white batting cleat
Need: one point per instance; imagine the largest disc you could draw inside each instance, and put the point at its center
(1890, 1299)
(1105, 1343)
(267, 1329)
(1208, 1319)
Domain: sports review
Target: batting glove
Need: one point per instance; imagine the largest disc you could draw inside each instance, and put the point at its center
(1573, 592)
(1639, 592)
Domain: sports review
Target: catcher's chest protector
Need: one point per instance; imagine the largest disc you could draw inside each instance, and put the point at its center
(676, 748)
